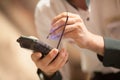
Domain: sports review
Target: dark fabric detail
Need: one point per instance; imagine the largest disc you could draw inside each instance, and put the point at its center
(110, 76)
(111, 53)
(56, 76)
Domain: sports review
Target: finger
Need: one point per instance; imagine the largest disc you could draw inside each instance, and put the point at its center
(57, 33)
(63, 15)
(61, 22)
(36, 56)
(73, 27)
(58, 59)
(57, 63)
(72, 32)
(48, 58)
(63, 62)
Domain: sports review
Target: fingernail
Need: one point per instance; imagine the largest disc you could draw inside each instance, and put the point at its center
(55, 51)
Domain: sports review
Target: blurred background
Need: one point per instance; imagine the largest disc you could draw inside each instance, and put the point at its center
(16, 18)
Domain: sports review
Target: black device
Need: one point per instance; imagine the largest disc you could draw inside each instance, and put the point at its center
(34, 44)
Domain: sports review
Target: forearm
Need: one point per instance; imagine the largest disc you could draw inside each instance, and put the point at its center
(92, 42)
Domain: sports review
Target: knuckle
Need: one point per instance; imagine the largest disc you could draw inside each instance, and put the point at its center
(64, 13)
(78, 20)
(73, 20)
(62, 56)
(62, 20)
(78, 25)
(77, 15)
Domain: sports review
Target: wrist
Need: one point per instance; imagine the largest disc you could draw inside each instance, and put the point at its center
(48, 75)
(96, 43)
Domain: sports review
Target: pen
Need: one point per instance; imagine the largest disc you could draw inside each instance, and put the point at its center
(61, 33)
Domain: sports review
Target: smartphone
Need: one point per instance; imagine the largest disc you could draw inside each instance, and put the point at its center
(34, 44)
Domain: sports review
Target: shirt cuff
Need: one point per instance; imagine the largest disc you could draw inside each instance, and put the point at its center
(111, 56)
(56, 76)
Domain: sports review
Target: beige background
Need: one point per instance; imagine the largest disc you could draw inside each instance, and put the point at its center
(16, 18)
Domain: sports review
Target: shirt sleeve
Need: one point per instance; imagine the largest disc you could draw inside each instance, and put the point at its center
(111, 53)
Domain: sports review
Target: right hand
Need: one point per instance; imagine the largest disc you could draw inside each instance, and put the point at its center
(76, 29)
(47, 64)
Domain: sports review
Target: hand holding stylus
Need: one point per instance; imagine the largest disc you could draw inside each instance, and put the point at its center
(76, 29)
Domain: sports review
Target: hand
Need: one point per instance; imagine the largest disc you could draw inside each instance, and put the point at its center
(47, 64)
(77, 30)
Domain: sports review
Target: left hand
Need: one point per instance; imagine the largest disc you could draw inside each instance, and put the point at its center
(51, 62)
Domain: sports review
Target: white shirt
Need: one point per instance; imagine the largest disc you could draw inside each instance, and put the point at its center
(109, 17)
